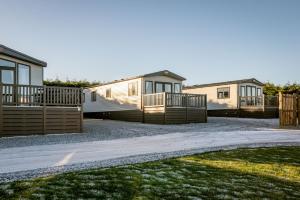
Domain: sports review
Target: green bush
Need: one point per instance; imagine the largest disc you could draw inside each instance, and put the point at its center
(69, 83)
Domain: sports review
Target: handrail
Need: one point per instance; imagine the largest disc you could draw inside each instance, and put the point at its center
(31, 95)
(175, 100)
(259, 101)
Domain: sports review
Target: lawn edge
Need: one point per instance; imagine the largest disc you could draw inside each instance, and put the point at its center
(141, 158)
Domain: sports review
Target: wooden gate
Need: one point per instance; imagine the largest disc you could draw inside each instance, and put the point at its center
(289, 110)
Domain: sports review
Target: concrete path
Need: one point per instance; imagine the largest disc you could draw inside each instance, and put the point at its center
(46, 156)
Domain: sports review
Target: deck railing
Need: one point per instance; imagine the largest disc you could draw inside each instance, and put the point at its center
(259, 101)
(25, 95)
(175, 100)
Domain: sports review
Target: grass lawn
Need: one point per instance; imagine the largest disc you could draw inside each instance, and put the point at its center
(272, 173)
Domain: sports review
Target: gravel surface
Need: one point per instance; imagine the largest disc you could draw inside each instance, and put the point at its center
(96, 130)
(22, 175)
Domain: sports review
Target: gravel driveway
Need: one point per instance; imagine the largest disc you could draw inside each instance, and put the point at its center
(109, 143)
(97, 130)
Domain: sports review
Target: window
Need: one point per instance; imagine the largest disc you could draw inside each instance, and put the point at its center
(6, 63)
(177, 88)
(108, 93)
(133, 89)
(259, 93)
(93, 96)
(7, 76)
(159, 87)
(148, 87)
(243, 91)
(168, 87)
(163, 87)
(223, 93)
(251, 90)
(23, 74)
(83, 97)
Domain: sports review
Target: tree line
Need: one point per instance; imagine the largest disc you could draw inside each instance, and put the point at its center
(269, 88)
(273, 89)
(71, 83)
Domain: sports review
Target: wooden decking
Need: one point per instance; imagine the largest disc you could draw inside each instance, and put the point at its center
(162, 108)
(171, 108)
(39, 110)
(258, 102)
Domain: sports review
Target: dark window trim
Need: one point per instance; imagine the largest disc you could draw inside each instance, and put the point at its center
(223, 93)
(93, 96)
(152, 87)
(163, 83)
(180, 86)
(29, 73)
(245, 92)
(16, 71)
(8, 61)
(251, 87)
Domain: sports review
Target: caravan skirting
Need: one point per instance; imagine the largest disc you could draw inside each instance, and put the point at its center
(155, 115)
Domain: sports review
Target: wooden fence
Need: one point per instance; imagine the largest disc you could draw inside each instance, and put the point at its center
(39, 109)
(289, 110)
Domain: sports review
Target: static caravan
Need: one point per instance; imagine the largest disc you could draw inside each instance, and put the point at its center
(150, 98)
(240, 98)
(29, 107)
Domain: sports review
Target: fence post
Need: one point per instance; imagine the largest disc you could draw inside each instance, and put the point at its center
(44, 109)
(205, 103)
(81, 110)
(263, 102)
(186, 108)
(298, 109)
(280, 109)
(1, 101)
(165, 106)
(295, 109)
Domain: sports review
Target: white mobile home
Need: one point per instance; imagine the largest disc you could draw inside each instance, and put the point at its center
(242, 98)
(146, 98)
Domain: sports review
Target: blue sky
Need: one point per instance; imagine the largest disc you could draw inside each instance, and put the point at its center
(204, 41)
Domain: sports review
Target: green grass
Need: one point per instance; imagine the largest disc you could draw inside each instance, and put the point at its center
(271, 173)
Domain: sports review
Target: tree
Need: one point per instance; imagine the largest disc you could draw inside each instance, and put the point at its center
(272, 89)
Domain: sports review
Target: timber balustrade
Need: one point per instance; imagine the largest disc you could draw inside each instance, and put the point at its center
(25, 95)
(259, 101)
(32, 109)
(175, 100)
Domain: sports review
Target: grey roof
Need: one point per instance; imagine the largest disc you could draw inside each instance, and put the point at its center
(21, 56)
(165, 73)
(159, 73)
(251, 80)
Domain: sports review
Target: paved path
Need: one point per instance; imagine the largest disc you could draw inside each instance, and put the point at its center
(46, 156)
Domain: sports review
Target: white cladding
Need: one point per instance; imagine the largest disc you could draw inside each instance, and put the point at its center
(120, 100)
(215, 103)
(37, 75)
